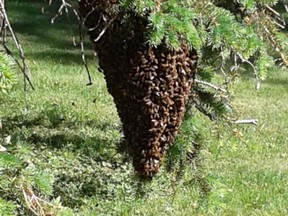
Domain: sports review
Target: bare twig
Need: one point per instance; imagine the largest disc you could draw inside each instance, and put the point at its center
(28, 202)
(254, 68)
(241, 121)
(223, 62)
(217, 88)
(90, 12)
(8, 51)
(34, 203)
(63, 6)
(277, 16)
(247, 121)
(272, 10)
(81, 22)
(24, 67)
(3, 27)
(105, 28)
(282, 26)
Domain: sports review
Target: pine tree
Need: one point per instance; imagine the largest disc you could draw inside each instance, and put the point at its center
(149, 51)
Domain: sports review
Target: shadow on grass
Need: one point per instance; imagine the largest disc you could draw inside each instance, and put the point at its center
(54, 131)
(43, 38)
(278, 81)
(87, 175)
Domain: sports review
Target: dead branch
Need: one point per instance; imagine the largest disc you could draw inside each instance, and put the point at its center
(254, 69)
(272, 10)
(81, 37)
(246, 121)
(23, 67)
(217, 88)
(105, 28)
(63, 7)
(34, 203)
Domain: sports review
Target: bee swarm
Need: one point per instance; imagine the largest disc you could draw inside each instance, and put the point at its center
(150, 86)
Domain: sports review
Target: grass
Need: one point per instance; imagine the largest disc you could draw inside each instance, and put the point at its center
(71, 131)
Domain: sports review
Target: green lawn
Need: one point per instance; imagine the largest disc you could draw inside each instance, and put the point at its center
(71, 131)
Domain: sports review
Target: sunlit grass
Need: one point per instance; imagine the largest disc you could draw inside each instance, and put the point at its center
(71, 130)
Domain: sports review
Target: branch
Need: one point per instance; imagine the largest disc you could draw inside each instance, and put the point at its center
(254, 68)
(8, 51)
(201, 109)
(217, 88)
(105, 28)
(81, 22)
(247, 121)
(272, 10)
(34, 203)
(24, 68)
(63, 6)
(205, 112)
(27, 199)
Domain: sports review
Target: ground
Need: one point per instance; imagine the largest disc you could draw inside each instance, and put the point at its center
(70, 131)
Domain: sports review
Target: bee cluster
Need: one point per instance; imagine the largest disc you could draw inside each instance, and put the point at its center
(150, 86)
